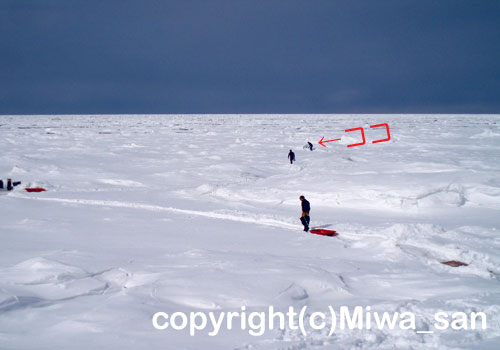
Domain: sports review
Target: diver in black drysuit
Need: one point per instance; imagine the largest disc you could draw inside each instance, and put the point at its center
(291, 156)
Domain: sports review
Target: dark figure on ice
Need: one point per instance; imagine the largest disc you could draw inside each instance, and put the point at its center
(291, 156)
(10, 185)
(306, 207)
(310, 145)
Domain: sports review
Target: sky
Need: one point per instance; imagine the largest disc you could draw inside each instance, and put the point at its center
(243, 56)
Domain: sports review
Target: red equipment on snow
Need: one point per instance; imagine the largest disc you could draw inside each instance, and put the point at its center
(324, 232)
(35, 189)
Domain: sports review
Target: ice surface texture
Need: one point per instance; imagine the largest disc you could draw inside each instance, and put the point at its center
(187, 213)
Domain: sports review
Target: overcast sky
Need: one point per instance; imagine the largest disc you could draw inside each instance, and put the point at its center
(243, 56)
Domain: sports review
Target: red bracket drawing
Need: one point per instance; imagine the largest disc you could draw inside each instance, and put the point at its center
(362, 134)
(386, 128)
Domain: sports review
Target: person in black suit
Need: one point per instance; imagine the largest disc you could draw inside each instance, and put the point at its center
(306, 208)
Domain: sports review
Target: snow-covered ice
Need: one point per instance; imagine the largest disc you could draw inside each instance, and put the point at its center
(201, 213)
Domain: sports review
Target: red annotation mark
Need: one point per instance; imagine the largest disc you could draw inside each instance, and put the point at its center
(386, 129)
(323, 141)
(362, 135)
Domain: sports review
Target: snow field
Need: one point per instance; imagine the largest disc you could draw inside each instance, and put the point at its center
(194, 213)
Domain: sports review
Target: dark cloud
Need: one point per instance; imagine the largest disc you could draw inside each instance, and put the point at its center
(249, 56)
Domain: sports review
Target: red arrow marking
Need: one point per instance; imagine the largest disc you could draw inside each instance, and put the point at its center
(321, 142)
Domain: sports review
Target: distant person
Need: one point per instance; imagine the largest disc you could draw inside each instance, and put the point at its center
(291, 156)
(310, 145)
(306, 208)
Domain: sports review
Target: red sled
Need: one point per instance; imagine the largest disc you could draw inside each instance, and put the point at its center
(35, 189)
(323, 232)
